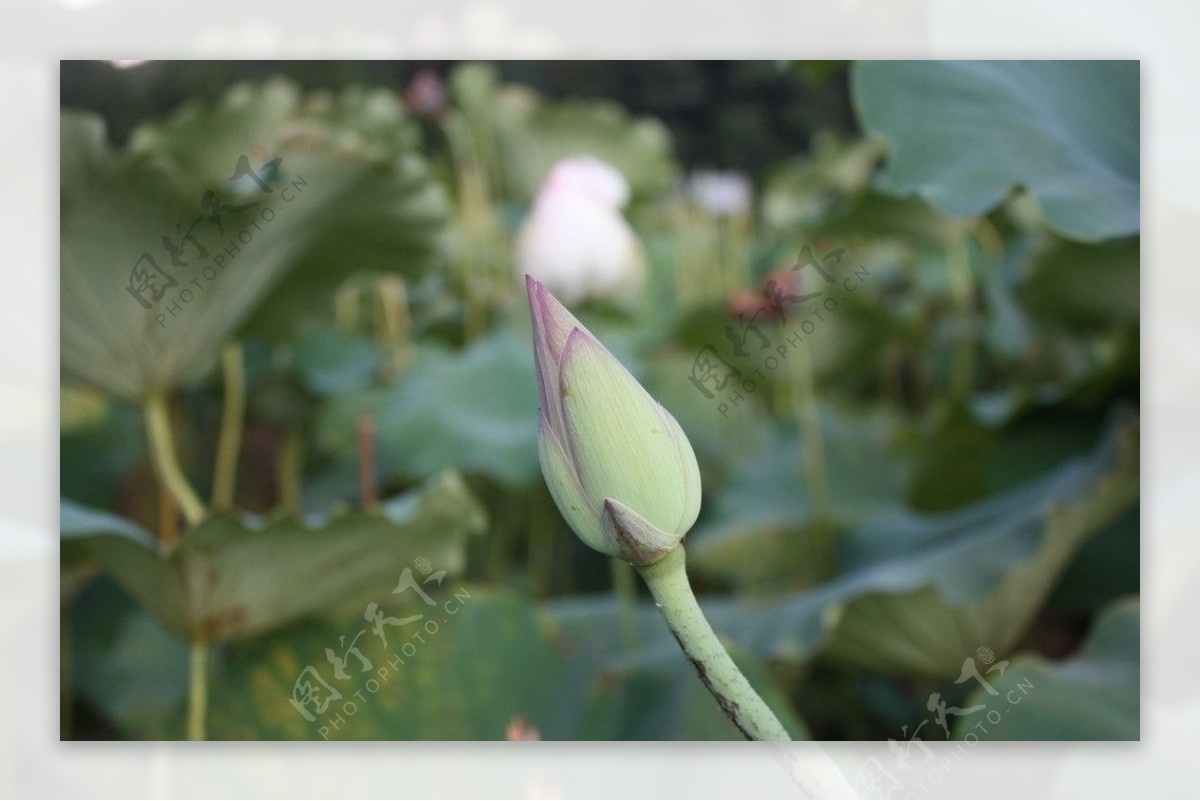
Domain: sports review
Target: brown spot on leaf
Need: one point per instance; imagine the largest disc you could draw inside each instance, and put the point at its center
(220, 623)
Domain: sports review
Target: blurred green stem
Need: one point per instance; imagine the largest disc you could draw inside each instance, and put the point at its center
(368, 491)
(166, 461)
(288, 470)
(198, 691)
(168, 517)
(625, 588)
(668, 581)
(232, 419)
(816, 471)
(962, 290)
(469, 152)
(395, 330)
(346, 305)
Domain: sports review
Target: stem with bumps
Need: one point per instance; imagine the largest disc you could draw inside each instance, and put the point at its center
(668, 582)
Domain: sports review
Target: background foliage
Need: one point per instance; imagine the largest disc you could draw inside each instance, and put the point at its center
(946, 470)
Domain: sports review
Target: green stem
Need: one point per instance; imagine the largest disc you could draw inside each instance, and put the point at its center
(625, 588)
(198, 691)
(667, 580)
(962, 288)
(474, 206)
(166, 462)
(289, 470)
(346, 305)
(395, 328)
(168, 518)
(232, 419)
(368, 481)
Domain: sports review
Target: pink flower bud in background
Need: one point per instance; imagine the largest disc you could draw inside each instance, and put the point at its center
(426, 94)
(576, 241)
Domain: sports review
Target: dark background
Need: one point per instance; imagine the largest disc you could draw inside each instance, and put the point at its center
(744, 115)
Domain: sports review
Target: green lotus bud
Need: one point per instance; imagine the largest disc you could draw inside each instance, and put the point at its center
(619, 467)
(625, 477)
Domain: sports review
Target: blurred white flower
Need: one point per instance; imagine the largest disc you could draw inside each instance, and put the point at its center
(720, 193)
(576, 241)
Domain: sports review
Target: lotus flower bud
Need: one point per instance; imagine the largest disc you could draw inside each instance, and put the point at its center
(619, 467)
(576, 240)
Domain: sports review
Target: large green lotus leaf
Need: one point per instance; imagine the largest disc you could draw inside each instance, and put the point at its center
(390, 217)
(116, 212)
(473, 410)
(231, 578)
(470, 665)
(963, 134)
(922, 592)
(919, 593)
(752, 529)
(487, 659)
(1092, 696)
(342, 197)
